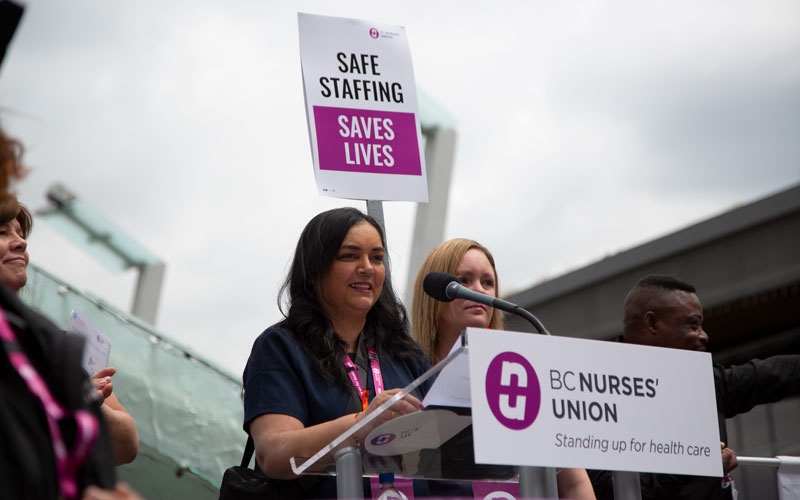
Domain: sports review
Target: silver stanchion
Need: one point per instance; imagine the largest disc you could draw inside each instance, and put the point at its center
(538, 482)
(626, 485)
(349, 485)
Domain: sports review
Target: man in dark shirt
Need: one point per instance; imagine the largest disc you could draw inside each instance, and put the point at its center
(663, 311)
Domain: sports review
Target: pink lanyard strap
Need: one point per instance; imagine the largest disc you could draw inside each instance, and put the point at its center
(67, 461)
(377, 378)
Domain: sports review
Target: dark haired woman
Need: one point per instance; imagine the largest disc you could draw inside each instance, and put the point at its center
(342, 350)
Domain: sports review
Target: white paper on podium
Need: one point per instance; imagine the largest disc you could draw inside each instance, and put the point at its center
(451, 387)
(415, 431)
(98, 345)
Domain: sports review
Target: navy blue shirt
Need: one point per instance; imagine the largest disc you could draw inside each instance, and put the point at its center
(278, 378)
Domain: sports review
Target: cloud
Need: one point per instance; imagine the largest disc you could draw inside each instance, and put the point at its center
(581, 131)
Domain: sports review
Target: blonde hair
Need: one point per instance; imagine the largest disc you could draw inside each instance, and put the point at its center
(425, 309)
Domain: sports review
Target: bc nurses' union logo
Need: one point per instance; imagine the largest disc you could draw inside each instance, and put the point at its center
(513, 392)
(383, 439)
(374, 33)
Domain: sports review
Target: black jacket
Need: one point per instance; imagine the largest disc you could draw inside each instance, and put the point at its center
(27, 464)
(738, 390)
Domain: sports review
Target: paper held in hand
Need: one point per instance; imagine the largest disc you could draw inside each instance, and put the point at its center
(98, 345)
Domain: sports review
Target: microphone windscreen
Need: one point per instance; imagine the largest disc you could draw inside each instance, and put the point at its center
(435, 285)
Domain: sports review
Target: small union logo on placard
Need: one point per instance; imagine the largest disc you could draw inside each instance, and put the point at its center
(383, 439)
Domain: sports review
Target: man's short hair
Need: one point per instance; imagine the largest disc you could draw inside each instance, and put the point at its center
(644, 295)
(665, 282)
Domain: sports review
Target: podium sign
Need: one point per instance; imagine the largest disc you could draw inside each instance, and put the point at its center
(361, 105)
(551, 401)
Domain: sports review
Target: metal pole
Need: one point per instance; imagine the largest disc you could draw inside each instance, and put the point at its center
(538, 482)
(626, 485)
(761, 461)
(148, 292)
(429, 225)
(349, 485)
(375, 209)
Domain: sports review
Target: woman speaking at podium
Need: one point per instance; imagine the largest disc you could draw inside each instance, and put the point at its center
(437, 325)
(341, 351)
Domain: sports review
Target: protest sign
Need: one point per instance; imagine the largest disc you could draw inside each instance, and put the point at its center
(361, 106)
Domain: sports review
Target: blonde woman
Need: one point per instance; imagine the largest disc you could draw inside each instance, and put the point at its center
(437, 325)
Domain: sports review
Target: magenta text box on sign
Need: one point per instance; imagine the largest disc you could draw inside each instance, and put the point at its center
(368, 141)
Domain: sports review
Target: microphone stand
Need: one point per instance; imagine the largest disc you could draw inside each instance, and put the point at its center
(535, 481)
(520, 311)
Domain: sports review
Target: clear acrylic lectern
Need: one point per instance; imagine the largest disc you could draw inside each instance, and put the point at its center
(447, 456)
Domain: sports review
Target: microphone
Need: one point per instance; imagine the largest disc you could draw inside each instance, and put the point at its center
(446, 288)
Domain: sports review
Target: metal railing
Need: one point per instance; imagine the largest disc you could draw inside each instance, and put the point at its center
(627, 484)
(188, 412)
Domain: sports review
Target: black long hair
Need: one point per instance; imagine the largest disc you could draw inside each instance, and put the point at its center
(387, 326)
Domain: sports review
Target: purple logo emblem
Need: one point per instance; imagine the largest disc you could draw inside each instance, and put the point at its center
(499, 495)
(382, 439)
(374, 33)
(513, 392)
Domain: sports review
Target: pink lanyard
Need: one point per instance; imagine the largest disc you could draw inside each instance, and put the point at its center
(404, 485)
(67, 461)
(377, 378)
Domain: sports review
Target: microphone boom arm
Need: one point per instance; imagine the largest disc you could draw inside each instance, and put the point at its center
(520, 311)
(455, 290)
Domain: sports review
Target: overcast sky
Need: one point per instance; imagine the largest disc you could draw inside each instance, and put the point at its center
(584, 129)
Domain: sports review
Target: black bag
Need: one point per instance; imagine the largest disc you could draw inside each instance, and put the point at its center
(240, 482)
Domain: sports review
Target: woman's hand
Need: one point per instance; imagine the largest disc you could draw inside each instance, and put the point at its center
(121, 426)
(279, 437)
(409, 404)
(102, 381)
